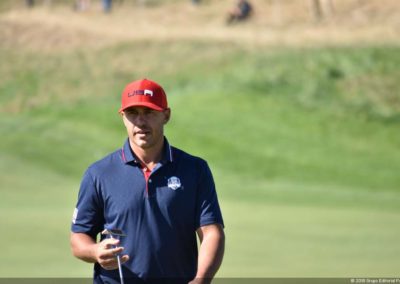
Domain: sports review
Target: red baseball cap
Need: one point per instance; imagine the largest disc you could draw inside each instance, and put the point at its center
(145, 93)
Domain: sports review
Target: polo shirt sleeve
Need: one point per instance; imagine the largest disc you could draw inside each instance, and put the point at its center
(88, 215)
(207, 209)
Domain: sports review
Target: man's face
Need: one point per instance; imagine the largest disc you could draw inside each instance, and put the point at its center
(145, 126)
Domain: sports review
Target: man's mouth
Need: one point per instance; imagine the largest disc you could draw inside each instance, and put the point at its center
(142, 132)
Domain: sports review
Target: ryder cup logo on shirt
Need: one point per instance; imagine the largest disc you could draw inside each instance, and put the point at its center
(174, 183)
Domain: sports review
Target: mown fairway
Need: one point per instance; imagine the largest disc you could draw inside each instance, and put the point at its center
(304, 145)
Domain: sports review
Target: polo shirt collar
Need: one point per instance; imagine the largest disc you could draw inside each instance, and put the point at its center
(129, 156)
(167, 152)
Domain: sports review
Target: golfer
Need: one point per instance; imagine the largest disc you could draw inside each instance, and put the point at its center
(157, 195)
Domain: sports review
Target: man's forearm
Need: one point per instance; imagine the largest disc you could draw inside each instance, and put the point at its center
(83, 247)
(211, 253)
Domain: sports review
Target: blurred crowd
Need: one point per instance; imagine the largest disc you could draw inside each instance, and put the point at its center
(241, 11)
(80, 5)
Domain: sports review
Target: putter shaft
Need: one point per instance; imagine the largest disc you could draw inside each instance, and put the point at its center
(121, 277)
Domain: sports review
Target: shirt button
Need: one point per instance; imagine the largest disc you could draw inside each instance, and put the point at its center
(149, 180)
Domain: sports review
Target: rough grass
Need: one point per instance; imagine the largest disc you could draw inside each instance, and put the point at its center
(289, 23)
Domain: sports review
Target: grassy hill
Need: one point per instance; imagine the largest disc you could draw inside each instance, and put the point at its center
(303, 142)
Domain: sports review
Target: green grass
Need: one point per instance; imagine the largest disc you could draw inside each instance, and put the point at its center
(303, 143)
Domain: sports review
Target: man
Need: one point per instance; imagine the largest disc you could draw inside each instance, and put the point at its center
(82, 5)
(241, 12)
(107, 5)
(158, 195)
(30, 3)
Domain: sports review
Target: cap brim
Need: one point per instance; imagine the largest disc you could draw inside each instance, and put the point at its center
(143, 104)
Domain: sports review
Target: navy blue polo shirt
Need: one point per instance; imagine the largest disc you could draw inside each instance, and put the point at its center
(159, 216)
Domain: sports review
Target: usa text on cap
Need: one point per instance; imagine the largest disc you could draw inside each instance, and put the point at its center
(145, 93)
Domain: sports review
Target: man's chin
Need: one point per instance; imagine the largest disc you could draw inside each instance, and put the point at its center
(144, 144)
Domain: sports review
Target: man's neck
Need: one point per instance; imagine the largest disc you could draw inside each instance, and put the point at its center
(148, 156)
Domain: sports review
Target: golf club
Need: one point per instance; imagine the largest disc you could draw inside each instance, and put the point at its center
(116, 234)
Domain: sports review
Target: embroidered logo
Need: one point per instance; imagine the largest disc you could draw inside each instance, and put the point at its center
(174, 183)
(141, 93)
(148, 93)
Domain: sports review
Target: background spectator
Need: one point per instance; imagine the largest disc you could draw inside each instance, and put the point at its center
(240, 12)
(107, 6)
(30, 3)
(82, 5)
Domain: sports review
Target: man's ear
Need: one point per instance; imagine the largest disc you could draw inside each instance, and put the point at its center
(167, 115)
(123, 117)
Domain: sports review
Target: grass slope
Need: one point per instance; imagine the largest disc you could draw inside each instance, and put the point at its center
(303, 143)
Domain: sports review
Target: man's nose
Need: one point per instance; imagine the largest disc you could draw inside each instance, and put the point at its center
(140, 119)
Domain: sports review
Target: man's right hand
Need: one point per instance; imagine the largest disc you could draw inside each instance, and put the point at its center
(106, 254)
